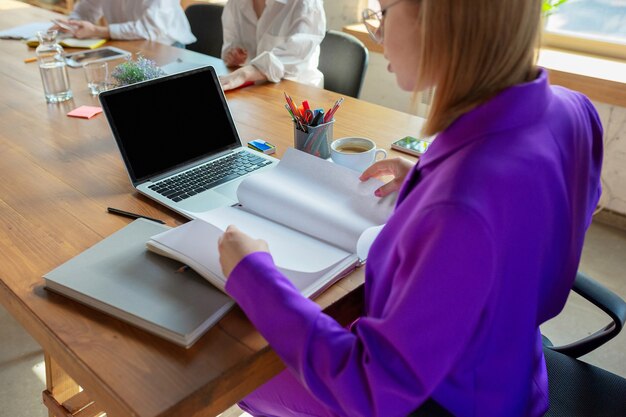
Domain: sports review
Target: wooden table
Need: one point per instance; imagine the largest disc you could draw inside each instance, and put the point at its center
(58, 176)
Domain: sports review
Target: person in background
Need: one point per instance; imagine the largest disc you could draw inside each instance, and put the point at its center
(161, 21)
(272, 40)
(483, 245)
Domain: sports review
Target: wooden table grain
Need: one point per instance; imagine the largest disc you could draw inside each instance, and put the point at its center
(58, 176)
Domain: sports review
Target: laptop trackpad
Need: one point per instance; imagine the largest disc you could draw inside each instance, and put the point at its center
(229, 190)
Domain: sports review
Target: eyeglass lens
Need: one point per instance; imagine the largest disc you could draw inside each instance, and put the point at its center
(372, 22)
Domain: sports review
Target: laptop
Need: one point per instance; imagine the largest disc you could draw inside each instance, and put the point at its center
(179, 142)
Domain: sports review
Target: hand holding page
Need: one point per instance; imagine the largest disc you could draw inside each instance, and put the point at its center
(318, 218)
(316, 265)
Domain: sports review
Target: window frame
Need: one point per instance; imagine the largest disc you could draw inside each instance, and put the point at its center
(581, 44)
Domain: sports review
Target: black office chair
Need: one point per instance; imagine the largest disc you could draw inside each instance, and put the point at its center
(578, 389)
(206, 25)
(343, 61)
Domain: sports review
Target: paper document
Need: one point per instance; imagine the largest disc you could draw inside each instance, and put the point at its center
(318, 218)
(25, 31)
(316, 197)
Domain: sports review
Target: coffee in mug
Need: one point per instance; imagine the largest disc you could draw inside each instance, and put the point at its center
(355, 153)
(352, 148)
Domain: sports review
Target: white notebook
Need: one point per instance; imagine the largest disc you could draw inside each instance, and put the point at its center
(120, 277)
(318, 218)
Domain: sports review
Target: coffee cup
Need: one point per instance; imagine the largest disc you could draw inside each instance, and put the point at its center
(355, 153)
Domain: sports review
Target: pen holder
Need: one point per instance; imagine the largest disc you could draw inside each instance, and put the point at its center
(316, 140)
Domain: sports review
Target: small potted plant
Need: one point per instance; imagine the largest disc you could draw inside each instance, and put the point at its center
(134, 71)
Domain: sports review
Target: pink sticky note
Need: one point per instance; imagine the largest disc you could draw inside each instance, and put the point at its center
(85, 112)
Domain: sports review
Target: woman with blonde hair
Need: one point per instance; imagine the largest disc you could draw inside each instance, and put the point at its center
(483, 245)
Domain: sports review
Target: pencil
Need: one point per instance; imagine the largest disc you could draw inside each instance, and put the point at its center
(132, 215)
(331, 113)
(34, 58)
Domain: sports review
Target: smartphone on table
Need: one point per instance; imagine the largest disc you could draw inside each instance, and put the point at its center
(411, 145)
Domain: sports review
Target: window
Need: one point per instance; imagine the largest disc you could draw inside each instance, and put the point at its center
(592, 26)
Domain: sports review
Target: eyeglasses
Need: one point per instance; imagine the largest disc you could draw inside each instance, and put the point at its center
(373, 21)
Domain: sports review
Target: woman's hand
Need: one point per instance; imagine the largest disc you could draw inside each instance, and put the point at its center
(234, 245)
(235, 57)
(397, 167)
(62, 26)
(84, 29)
(241, 76)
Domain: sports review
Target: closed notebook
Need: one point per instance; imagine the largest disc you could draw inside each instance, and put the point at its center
(120, 277)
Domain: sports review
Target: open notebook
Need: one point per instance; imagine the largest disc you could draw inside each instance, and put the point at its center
(318, 218)
(70, 42)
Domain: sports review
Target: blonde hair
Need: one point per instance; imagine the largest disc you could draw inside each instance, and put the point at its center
(471, 50)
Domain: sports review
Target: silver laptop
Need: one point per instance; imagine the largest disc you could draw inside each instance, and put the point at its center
(179, 142)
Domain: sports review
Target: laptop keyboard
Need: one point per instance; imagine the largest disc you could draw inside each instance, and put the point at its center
(212, 174)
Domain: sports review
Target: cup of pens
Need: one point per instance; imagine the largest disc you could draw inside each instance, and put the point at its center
(315, 139)
(312, 129)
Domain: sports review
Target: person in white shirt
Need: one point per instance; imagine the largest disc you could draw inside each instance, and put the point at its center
(161, 21)
(271, 40)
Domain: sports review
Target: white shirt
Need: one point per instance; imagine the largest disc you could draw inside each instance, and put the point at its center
(161, 21)
(284, 42)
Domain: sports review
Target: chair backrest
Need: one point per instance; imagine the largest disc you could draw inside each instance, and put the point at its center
(206, 25)
(343, 61)
(579, 389)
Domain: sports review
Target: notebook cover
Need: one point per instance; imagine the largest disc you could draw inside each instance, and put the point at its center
(119, 276)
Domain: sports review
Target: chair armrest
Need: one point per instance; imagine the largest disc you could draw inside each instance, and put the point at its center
(607, 301)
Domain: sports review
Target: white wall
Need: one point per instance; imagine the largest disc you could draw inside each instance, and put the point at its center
(614, 167)
(340, 13)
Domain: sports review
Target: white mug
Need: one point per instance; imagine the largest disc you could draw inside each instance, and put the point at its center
(355, 153)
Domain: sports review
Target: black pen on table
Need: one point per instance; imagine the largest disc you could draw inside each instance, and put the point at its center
(132, 215)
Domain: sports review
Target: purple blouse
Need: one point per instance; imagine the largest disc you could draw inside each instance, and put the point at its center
(482, 248)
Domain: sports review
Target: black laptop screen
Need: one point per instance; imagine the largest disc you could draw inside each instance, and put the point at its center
(169, 122)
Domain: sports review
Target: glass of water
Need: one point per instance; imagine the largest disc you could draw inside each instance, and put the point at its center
(97, 74)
